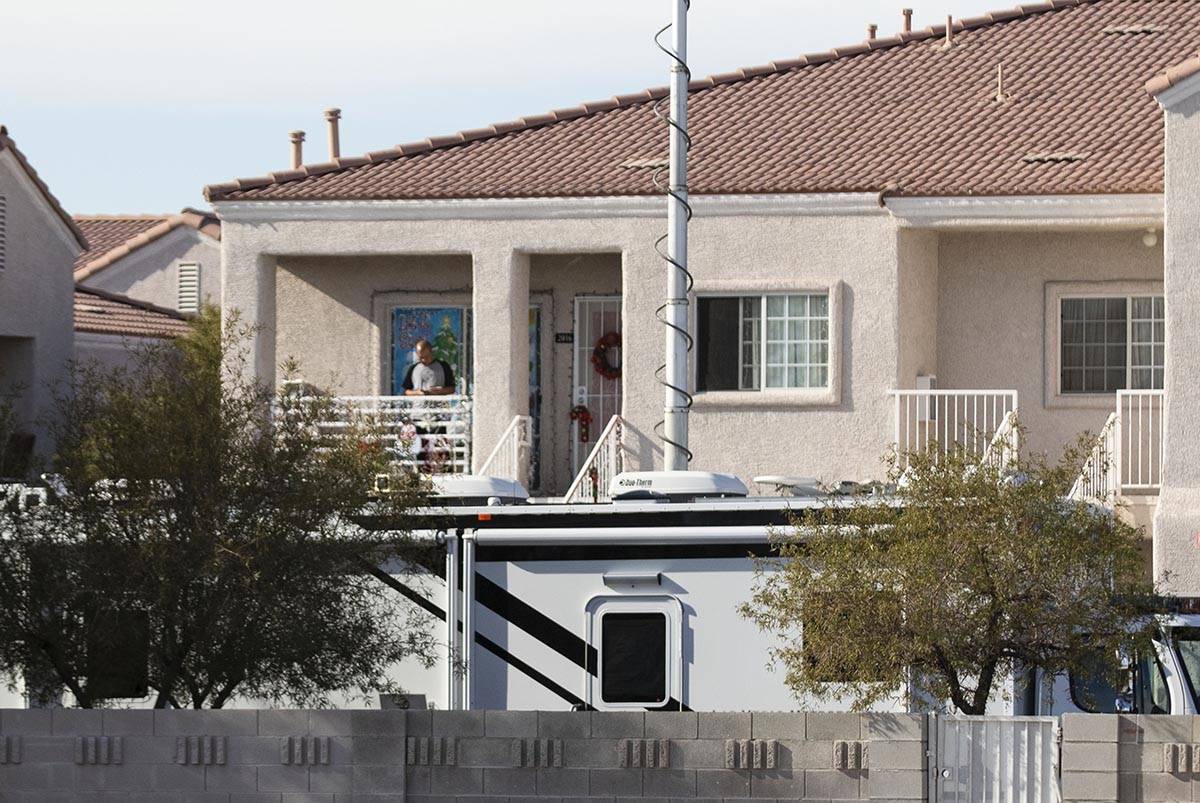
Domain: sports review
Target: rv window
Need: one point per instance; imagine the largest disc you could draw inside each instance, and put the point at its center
(633, 658)
(1092, 689)
(1150, 687)
(1187, 645)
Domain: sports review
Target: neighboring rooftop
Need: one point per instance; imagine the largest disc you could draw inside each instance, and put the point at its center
(7, 144)
(113, 237)
(1061, 77)
(104, 313)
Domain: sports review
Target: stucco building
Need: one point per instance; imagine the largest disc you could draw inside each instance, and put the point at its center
(895, 242)
(38, 244)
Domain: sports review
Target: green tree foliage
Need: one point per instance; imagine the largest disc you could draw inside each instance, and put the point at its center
(967, 574)
(206, 530)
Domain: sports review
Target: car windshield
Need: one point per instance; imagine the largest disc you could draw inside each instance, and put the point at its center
(1187, 646)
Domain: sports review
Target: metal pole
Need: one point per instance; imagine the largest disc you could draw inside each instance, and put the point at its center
(468, 615)
(453, 655)
(675, 411)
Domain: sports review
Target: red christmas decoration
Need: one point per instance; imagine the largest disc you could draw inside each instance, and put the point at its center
(583, 415)
(600, 355)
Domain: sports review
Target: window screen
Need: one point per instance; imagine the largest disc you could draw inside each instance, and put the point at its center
(633, 662)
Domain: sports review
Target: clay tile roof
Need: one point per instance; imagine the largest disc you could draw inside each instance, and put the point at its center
(903, 111)
(7, 144)
(113, 237)
(101, 312)
(1174, 75)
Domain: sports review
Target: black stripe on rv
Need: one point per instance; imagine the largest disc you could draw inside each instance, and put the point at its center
(480, 639)
(521, 553)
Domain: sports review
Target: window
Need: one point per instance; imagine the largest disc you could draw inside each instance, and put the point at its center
(446, 328)
(189, 287)
(763, 342)
(1151, 693)
(1091, 688)
(1187, 646)
(633, 657)
(3, 232)
(1111, 343)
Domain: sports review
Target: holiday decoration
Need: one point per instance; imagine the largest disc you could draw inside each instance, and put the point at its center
(600, 356)
(583, 415)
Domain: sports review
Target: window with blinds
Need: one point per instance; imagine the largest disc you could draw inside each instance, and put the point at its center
(189, 287)
(3, 233)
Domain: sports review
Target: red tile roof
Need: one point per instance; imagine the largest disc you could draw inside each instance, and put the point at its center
(113, 237)
(896, 111)
(7, 144)
(101, 312)
(1173, 76)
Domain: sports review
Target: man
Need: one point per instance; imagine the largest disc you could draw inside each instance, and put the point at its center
(427, 376)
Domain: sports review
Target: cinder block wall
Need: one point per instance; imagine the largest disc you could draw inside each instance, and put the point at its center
(1126, 757)
(484, 756)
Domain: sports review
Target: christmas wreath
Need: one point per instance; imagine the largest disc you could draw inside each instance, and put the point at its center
(583, 415)
(600, 356)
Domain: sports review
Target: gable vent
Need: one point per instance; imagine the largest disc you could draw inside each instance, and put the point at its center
(3, 232)
(189, 287)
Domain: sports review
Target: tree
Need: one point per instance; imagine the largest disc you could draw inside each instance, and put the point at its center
(205, 529)
(973, 572)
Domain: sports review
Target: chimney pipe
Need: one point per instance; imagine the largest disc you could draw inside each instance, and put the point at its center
(297, 138)
(871, 29)
(335, 147)
(949, 32)
(907, 14)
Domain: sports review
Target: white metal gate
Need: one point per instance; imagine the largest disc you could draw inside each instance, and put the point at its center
(994, 759)
(595, 316)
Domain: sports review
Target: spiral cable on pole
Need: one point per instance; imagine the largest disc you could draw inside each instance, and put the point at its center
(678, 194)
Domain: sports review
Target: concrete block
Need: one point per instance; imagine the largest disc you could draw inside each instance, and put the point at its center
(832, 726)
(1089, 728)
(1087, 786)
(463, 724)
(416, 780)
(537, 799)
(330, 723)
(894, 727)
(1164, 786)
(374, 779)
(614, 783)
(510, 723)
(231, 779)
(722, 783)
(1128, 729)
(338, 780)
(26, 721)
(723, 725)
(278, 722)
(211, 723)
(564, 724)
(829, 784)
(391, 722)
(618, 724)
(778, 784)
(203, 797)
(698, 753)
(40, 750)
(75, 721)
(172, 777)
(899, 755)
(806, 755)
(1089, 756)
(562, 782)
(1163, 728)
(121, 722)
(893, 784)
(252, 750)
(669, 783)
(149, 749)
(777, 725)
(590, 753)
(455, 781)
(513, 781)
(283, 778)
(485, 752)
(306, 797)
(419, 723)
(255, 797)
(588, 800)
(1139, 757)
(378, 750)
(672, 724)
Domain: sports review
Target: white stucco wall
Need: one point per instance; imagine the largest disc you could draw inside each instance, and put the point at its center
(109, 351)
(36, 297)
(994, 325)
(151, 273)
(1177, 520)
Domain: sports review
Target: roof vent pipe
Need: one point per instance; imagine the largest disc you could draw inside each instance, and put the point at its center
(907, 14)
(871, 30)
(949, 32)
(335, 146)
(297, 138)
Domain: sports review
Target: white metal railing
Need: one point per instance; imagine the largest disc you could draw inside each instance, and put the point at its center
(1004, 446)
(1139, 450)
(1099, 480)
(510, 457)
(967, 419)
(431, 434)
(605, 461)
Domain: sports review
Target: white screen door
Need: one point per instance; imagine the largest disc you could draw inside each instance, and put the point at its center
(595, 316)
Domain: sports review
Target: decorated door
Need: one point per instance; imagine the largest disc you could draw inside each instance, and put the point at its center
(446, 329)
(596, 393)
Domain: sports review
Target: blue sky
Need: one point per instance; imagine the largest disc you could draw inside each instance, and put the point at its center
(134, 105)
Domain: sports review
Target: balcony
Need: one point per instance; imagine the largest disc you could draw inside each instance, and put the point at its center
(982, 422)
(1127, 458)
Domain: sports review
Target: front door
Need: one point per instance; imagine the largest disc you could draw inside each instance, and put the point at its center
(599, 395)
